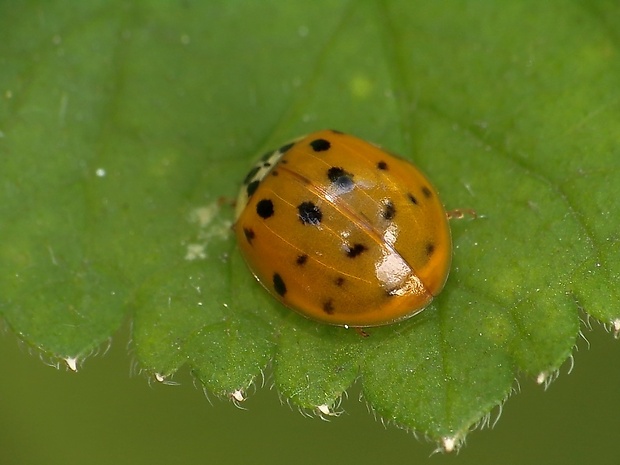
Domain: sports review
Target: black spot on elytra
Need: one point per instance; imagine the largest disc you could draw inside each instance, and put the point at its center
(335, 173)
(278, 285)
(309, 213)
(264, 208)
(328, 307)
(382, 165)
(301, 259)
(340, 178)
(339, 281)
(427, 192)
(430, 248)
(389, 211)
(249, 234)
(251, 174)
(252, 188)
(356, 250)
(285, 148)
(413, 199)
(320, 145)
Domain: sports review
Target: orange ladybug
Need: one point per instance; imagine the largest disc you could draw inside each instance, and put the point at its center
(343, 232)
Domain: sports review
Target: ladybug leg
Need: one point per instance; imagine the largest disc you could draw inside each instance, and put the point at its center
(223, 201)
(361, 332)
(458, 213)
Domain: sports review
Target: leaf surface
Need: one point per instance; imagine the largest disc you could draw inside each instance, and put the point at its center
(125, 129)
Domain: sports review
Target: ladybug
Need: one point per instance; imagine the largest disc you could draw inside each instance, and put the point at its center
(343, 232)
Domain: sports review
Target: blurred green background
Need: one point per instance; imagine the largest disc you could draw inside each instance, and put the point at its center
(103, 415)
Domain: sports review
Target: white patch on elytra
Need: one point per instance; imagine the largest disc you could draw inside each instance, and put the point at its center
(391, 234)
(396, 276)
(391, 270)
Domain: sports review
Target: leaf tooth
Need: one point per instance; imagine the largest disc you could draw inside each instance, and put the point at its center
(238, 397)
(72, 363)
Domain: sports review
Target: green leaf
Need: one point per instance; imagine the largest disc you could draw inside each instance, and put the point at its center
(125, 130)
